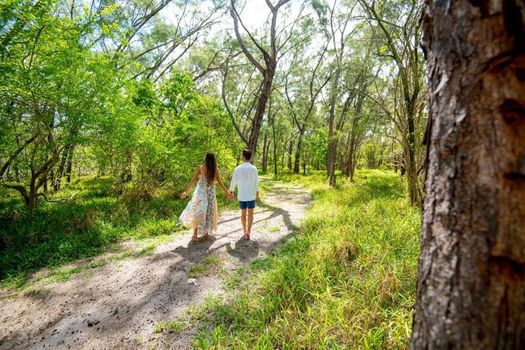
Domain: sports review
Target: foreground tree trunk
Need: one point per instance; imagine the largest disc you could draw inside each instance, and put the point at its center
(471, 279)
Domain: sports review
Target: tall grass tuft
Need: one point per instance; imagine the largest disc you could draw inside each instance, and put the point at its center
(347, 279)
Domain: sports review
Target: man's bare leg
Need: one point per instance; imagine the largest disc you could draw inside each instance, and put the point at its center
(250, 222)
(243, 220)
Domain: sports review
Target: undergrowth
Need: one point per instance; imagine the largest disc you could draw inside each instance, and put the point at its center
(345, 281)
(91, 222)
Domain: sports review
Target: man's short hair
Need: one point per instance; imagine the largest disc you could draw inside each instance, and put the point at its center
(247, 154)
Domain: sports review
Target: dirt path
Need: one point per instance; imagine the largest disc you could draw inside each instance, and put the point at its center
(117, 306)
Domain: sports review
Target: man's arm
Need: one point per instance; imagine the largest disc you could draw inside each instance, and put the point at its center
(257, 185)
(221, 185)
(233, 181)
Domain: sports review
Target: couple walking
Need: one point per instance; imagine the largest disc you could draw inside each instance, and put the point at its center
(201, 211)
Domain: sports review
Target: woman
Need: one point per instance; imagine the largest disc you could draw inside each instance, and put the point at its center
(201, 212)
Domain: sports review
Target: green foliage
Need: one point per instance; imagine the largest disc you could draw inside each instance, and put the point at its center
(93, 221)
(62, 94)
(181, 125)
(347, 280)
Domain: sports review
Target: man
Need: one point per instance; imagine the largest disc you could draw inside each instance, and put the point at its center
(246, 178)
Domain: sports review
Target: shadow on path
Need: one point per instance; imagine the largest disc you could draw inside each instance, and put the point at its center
(121, 302)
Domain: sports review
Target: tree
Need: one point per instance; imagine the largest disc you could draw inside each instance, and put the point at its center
(266, 68)
(471, 279)
(48, 96)
(337, 34)
(302, 109)
(399, 26)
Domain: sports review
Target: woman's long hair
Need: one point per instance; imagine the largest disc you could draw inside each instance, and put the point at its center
(211, 166)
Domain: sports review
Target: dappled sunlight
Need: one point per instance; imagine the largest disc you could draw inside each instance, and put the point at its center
(126, 294)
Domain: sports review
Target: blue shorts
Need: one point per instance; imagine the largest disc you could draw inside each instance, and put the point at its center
(246, 204)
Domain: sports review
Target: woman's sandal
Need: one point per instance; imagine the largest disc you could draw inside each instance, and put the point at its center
(198, 240)
(202, 238)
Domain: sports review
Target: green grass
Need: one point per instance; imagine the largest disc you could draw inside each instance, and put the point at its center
(205, 266)
(92, 223)
(194, 315)
(346, 281)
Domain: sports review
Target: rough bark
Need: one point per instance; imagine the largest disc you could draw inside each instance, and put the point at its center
(261, 108)
(471, 278)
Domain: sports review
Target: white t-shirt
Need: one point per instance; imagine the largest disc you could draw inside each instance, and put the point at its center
(246, 177)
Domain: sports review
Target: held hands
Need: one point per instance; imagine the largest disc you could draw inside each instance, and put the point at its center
(184, 194)
(230, 196)
(258, 198)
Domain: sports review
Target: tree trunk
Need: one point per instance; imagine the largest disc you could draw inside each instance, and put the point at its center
(290, 152)
(265, 153)
(15, 154)
(297, 160)
(351, 151)
(410, 156)
(274, 147)
(471, 278)
(57, 178)
(411, 171)
(31, 200)
(351, 159)
(260, 110)
(268, 153)
(332, 142)
(69, 166)
(46, 189)
(267, 69)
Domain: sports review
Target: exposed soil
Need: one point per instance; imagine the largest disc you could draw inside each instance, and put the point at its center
(117, 305)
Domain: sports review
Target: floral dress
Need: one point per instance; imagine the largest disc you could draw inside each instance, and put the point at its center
(201, 211)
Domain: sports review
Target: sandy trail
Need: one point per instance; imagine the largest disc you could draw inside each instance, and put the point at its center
(116, 306)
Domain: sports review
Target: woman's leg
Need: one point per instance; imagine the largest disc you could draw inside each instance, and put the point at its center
(195, 237)
(210, 213)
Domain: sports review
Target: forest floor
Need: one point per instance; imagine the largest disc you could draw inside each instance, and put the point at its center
(147, 299)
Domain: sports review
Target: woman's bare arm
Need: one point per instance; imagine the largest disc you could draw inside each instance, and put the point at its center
(221, 184)
(192, 182)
